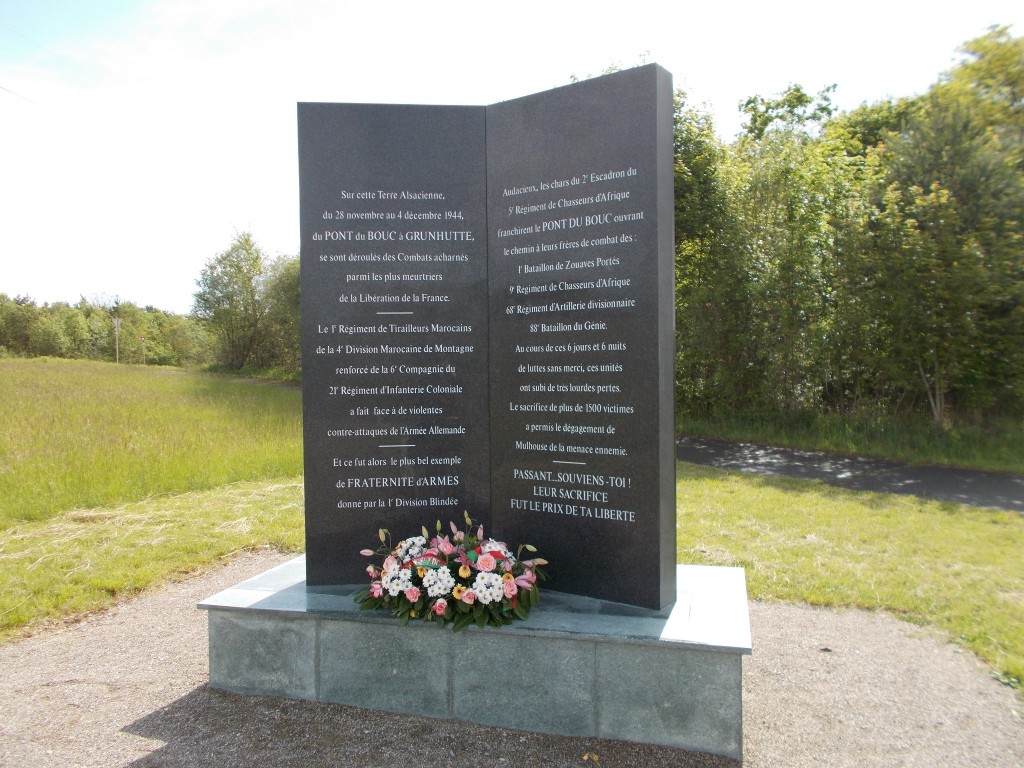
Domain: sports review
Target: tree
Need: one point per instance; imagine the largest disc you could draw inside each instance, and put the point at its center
(712, 307)
(17, 316)
(791, 109)
(282, 344)
(963, 189)
(993, 75)
(231, 300)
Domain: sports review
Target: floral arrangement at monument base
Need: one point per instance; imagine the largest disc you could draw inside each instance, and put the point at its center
(460, 578)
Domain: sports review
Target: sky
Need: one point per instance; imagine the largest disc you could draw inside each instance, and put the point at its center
(138, 137)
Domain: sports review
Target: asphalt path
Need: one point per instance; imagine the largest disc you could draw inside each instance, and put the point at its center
(965, 486)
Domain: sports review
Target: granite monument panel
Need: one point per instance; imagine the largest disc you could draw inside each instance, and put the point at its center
(582, 341)
(394, 325)
(487, 319)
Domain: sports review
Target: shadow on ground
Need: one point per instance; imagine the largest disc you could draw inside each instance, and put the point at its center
(963, 486)
(211, 727)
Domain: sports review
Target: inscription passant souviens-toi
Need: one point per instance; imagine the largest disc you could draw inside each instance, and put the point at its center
(487, 326)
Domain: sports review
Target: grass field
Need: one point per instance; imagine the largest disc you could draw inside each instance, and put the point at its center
(997, 444)
(113, 478)
(80, 434)
(84, 560)
(951, 566)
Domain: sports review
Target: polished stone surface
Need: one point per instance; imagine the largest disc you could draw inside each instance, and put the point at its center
(488, 326)
(582, 312)
(588, 667)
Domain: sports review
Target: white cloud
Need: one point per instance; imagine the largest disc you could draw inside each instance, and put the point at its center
(132, 154)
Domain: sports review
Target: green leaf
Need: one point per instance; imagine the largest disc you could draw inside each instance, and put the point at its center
(462, 621)
(521, 612)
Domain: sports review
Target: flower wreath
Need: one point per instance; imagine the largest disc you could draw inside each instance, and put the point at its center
(462, 578)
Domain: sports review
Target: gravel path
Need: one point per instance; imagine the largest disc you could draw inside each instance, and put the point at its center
(128, 688)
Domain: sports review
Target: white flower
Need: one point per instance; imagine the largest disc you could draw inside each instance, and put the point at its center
(410, 548)
(488, 588)
(439, 582)
(396, 579)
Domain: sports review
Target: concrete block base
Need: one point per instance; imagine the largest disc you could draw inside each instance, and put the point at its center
(586, 667)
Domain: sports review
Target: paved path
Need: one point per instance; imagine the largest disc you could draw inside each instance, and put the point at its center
(966, 486)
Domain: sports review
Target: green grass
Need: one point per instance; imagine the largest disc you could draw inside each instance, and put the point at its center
(113, 478)
(950, 566)
(81, 434)
(994, 445)
(85, 560)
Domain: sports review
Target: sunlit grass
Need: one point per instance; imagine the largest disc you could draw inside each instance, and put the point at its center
(113, 478)
(84, 560)
(951, 566)
(80, 434)
(997, 444)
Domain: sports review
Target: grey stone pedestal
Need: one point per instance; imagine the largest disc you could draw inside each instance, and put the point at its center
(578, 667)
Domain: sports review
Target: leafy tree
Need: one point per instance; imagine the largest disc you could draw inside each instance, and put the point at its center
(17, 316)
(993, 75)
(232, 301)
(712, 308)
(793, 108)
(46, 337)
(186, 339)
(282, 344)
(870, 126)
(950, 161)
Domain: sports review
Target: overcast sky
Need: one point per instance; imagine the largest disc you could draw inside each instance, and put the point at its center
(140, 135)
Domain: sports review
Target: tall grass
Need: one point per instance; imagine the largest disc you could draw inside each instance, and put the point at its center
(995, 444)
(82, 434)
(951, 566)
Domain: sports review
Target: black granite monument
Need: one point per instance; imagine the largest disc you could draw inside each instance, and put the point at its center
(487, 325)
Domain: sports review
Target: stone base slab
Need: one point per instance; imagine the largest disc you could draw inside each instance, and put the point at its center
(578, 667)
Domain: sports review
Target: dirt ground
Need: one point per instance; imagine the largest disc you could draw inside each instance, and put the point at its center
(824, 688)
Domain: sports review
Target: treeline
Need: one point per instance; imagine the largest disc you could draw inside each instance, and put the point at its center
(865, 261)
(245, 318)
(100, 330)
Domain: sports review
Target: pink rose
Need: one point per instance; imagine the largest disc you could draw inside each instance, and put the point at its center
(376, 589)
(445, 546)
(371, 571)
(412, 594)
(469, 597)
(440, 606)
(390, 561)
(486, 563)
(510, 588)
